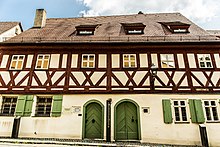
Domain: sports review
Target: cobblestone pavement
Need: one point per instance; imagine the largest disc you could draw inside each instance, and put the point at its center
(54, 142)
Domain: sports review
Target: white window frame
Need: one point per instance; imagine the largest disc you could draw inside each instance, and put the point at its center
(42, 61)
(45, 114)
(17, 61)
(129, 61)
(168, 61)
(88, 61)
(210, 108)
(179, 106)
(11, 103)
(202, 58)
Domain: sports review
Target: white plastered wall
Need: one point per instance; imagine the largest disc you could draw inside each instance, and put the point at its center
(153, 129)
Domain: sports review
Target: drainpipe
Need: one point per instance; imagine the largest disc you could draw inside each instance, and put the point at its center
(108, 120)
(203, 135)
(16, 126)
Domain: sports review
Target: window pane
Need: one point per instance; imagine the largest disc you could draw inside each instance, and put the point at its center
(208, 114)
(132, 64)
(39, 63)
(184, 117)
(202, 64)
(15, 57)
(126, 64)
(213, 103)
(45, 65)
(177, 115)
(46, 57)
(207, 58)
(132, 57)
(21, 57)
(176, 103)
(90, 64)
(206, 103)
(19, 66)
(182, 102)
(84, 64)
(13, 64)
(40, 57)
(91, 58)
(215, 114)
(85, 57)
(208, 64)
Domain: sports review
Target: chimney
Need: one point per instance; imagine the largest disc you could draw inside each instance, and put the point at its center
(40, 18)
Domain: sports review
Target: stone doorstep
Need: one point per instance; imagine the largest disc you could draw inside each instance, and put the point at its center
(79, 142)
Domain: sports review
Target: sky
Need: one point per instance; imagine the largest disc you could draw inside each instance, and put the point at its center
(205, 13)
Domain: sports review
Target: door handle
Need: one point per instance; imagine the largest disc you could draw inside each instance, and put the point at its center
(132, 119)
(93, 121)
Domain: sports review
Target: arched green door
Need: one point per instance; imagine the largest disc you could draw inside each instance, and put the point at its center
(93, 121)
(126, 121)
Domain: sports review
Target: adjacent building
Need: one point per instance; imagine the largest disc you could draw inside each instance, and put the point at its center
(143, 77)
(9, 30)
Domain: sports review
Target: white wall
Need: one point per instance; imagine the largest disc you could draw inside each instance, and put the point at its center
(153, 129)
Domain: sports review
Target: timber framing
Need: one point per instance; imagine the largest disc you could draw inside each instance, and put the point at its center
(109, 74)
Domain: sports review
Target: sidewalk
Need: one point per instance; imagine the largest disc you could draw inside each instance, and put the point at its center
(76, 142)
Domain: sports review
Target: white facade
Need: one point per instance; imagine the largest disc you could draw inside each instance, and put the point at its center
(153, 128)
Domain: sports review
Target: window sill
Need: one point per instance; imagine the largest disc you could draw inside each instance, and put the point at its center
(214, 121)
(182, 122)
(15, 69)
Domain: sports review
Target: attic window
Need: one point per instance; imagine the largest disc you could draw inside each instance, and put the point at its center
(177, 26)
(133, 28)
(85, 29)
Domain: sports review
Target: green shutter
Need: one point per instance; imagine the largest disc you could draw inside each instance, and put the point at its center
(167, 112)
(196, 111)
(28, 105)
(199, 111)
(192, 111)
(20, 105)
(57, 105)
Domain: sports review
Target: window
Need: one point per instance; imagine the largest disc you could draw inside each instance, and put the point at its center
(85, 29)
(88, 60)
(176, 27)
(129, 60)
(42, 61)
(180, 113)
(205, 61)
(211, 110)
(167, 61)
(43, 106)
(133, 28)
(17, 62)
(8, 106)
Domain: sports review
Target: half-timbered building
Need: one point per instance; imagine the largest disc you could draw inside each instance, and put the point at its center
(143, 77)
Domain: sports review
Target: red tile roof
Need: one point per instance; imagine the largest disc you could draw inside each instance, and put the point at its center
(109, 29)
(5, 26)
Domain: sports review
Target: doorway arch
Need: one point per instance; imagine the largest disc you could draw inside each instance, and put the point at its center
(127, 120)
(93, 120)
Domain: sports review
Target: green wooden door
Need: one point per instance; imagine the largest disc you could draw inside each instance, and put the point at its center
(126, 121)
(93, 121)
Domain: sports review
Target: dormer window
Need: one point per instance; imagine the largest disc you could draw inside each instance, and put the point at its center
(133, 28)
(85, 29)
(176, 27)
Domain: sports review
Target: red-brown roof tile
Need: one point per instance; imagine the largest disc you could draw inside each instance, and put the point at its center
(110, 29)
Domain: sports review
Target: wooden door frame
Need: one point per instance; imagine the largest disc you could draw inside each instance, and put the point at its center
(138, 116)
(84, 111)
